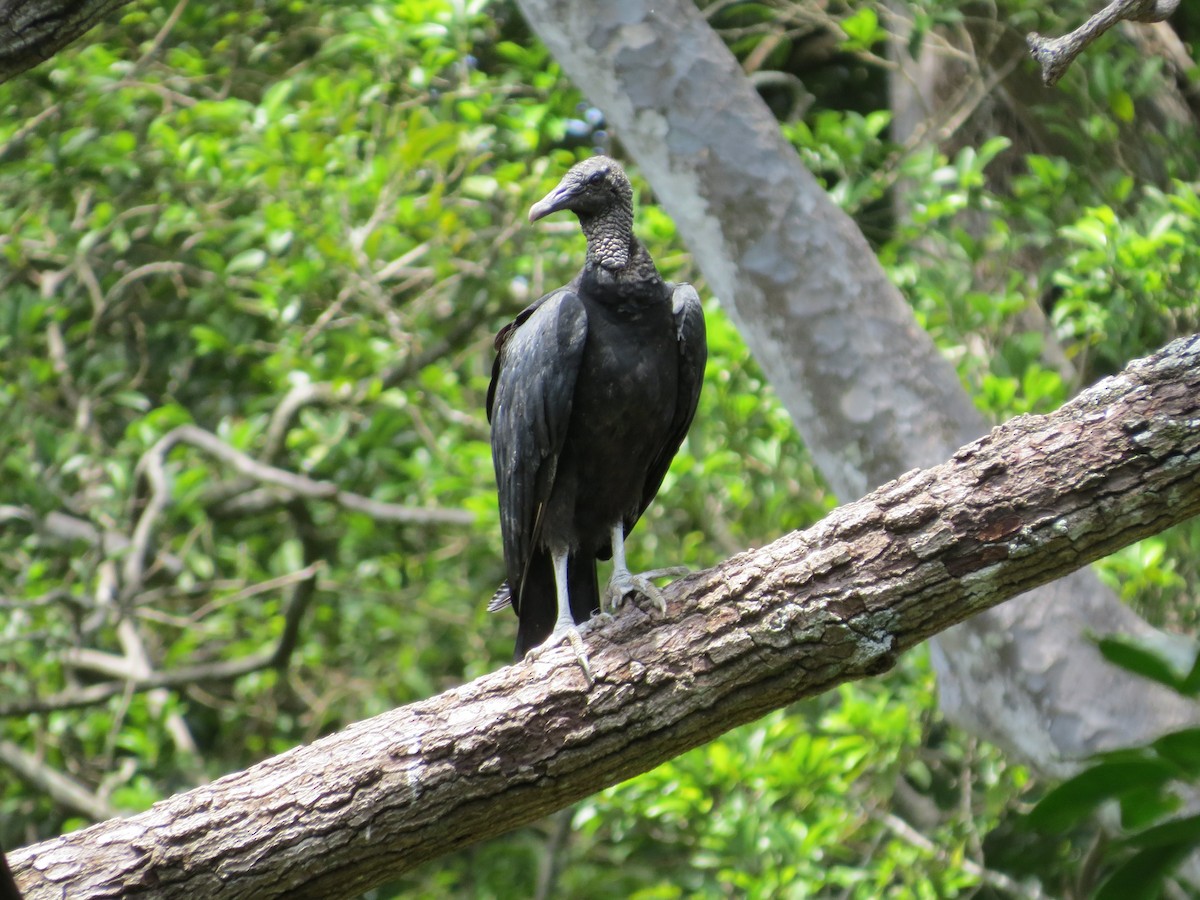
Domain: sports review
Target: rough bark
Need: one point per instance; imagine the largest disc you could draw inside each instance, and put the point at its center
(1032, 500)
(865, 385)
(31, 31)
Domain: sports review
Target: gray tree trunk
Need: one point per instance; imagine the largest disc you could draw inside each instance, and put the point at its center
(867, 389)
(1023, 505)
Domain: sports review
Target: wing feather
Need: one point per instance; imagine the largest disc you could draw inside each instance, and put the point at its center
(529, 405)
(693, 354)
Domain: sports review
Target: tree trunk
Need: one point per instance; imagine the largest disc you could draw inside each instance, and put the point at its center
(1019, 507)
(865, 385)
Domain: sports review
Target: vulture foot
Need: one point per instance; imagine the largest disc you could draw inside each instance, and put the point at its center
(570, 635)
(623, 583)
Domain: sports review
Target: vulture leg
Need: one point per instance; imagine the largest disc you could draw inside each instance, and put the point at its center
(564, 628)
(623, 582)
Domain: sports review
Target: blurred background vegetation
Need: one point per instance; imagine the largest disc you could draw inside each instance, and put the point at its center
(295, 228)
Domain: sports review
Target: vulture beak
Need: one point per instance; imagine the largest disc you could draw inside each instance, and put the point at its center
(559, 198)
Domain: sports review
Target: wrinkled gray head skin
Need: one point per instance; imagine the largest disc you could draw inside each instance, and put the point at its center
(598, 192)
(589, 189)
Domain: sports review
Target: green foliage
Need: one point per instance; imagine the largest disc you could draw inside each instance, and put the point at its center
(201, 245)
(844, 149)
(862, 29)
(1144, 784)
(298, 226)
(1148, 663)
(1128, 282)
(1040, 272)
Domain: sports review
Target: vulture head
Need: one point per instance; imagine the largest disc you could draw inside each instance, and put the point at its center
(589, 189)
(598, 192)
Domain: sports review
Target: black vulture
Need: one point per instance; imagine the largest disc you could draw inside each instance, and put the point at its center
(593, 389)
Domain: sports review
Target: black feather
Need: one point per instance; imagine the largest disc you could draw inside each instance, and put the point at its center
(593, 389)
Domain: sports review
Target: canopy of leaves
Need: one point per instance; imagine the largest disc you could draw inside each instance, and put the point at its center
(294, 228)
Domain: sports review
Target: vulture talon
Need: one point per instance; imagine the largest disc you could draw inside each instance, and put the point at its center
(569, 635)
(623, 584)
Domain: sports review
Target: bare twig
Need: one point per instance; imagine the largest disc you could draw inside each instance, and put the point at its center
(401, 266)
(289, 485)
(1057, 54)
(56, 595)
(152, 466)
(225, 670)
(162, 267)
(139, 662)
(238, 499)
(551, 863)
(383, 511)
(92, 660)
(273, 584)
(12, 513)
(63, 789)
(293, 484)
(14, 143)
(991, 878)
(293, 401)
(157, 44)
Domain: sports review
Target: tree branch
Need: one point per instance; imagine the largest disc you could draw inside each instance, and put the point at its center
(135, 678)
(1057, 54)
(31, 31)
(292, 484)
(1034, 499)
(61, 788)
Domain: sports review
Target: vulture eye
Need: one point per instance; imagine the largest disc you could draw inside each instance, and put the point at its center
(596, 177)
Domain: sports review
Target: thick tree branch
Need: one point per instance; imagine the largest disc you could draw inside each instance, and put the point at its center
(1034, 499)
(31, 31)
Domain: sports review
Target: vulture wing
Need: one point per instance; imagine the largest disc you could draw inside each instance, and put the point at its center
(693, 354)
(529, 405)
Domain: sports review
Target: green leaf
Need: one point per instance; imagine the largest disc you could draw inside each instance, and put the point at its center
(131, 400)
(1089, 232)
(208, 339)
(1122, 105)
(1184, 831)
(1191, 684)
(275, 95)
(1141, 877)
(1141, 661)
(992, 148)
(1182, 748)
(246, 261)
(1075, 798)
(862, 29)
(1143, 807)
